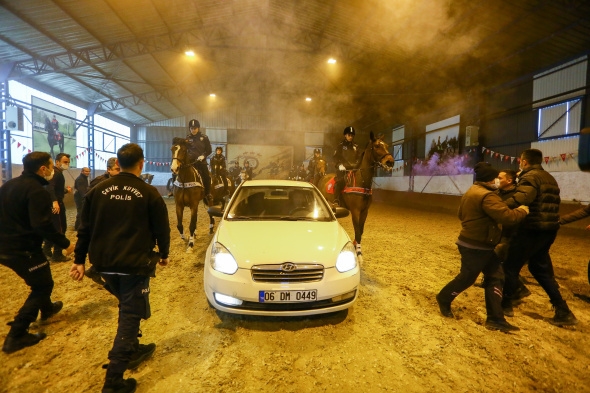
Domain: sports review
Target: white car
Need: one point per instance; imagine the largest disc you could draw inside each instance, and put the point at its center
(279, 250)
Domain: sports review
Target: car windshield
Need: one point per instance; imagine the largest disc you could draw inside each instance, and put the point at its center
(278, 203)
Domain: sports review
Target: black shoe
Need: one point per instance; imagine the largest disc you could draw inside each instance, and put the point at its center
(563, 317)
(15, 343)
(445, 307)
(57, 306)
(119, 385)
(521, 293)
(143, 353)
(95, 276)
(502, 326)
(60, 258)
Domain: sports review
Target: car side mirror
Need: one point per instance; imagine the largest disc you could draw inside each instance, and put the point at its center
(215, 211)
(340, 212)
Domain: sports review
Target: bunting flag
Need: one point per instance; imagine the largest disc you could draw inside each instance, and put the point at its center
(546, 160)
(563, 156)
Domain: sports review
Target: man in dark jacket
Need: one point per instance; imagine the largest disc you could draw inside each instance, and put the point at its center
(481, 211)
(80, 190)
(198, 149)
(346, 157)
(57, 189)
(123, 220)
(532, 240)
(25, 220)
(112, 170)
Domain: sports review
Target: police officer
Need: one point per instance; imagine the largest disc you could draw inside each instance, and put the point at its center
(346, 157)
(234, 172)
(301, 173)
(112, 170)
(123, 220)
(218, 168)
(25, 220)
(57, 189)
(199, 148)
(248, 169)
(312, 166)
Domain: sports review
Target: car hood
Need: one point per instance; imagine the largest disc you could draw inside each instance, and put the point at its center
(264, 242)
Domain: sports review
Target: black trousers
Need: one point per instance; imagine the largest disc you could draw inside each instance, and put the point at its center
(474, 262)
(35, 270)
(204, 172)
(339, 184)
(133, 293)
(60, 223)
(532, 246)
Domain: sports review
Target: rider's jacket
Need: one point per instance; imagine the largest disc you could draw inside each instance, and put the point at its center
(217, 164)
(123, 220)
(198, 145)
(347, 154)
(235, 171)
(313, 163)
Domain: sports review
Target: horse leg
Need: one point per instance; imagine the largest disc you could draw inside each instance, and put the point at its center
(192, 228)
(179, 211)
(358, 230)
(355, 214)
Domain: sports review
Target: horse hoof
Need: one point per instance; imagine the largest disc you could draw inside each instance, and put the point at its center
(189, 250)
(182, 237)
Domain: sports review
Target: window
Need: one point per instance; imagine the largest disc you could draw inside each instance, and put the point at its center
(560, 119)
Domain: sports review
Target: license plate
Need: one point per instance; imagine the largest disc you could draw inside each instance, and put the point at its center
(287, 296)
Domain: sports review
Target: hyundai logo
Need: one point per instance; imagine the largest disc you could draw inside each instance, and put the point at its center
(288, 267)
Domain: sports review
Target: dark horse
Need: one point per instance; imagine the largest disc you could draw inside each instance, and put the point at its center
(357, 194)
(188, 188)
(54, 137)
(219, 196)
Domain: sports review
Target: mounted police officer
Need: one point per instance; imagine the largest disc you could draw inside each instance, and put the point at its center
(198, 149)
(218, 167)
(346, 157)
(312, 166)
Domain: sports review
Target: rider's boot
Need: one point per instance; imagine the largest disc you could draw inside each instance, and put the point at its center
(337, 193)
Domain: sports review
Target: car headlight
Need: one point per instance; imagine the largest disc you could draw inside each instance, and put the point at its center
(222, 260)
(347, 258)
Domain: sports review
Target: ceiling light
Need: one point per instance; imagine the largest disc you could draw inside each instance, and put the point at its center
(331, 61)
(212, 95)
(189, 53)
(308, 99)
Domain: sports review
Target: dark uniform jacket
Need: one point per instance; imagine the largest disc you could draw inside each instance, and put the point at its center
(99, 179)
(480, 212)
(81, 186)
(347, 154)
(249, 173)
(57, 185)
(538, 190)
(311, 166)
(123, 219)
(198, 145)
(217, 164)
(234, 171)
(25, 216)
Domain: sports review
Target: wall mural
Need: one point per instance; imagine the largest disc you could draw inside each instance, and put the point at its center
(54, 129)
(267, 162)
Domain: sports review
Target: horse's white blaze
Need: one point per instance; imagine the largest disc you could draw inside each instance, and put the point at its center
(174, 164)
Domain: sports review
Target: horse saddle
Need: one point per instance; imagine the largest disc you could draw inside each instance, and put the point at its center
(198, 181)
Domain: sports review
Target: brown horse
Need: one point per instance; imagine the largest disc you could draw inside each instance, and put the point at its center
(357, 194)
(188, 189)
(219, 196)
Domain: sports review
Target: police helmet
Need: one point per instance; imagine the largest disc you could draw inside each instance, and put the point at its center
(349, 130)
(194, 123)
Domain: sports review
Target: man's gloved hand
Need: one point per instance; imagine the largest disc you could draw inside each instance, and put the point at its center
(341, 167)
(201, 158)
(525, 208)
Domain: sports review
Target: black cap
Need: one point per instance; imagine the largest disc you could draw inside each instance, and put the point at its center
(484, 172)
(349, 130)
(194, 123)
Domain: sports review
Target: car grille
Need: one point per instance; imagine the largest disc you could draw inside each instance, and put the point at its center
(288, 273)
